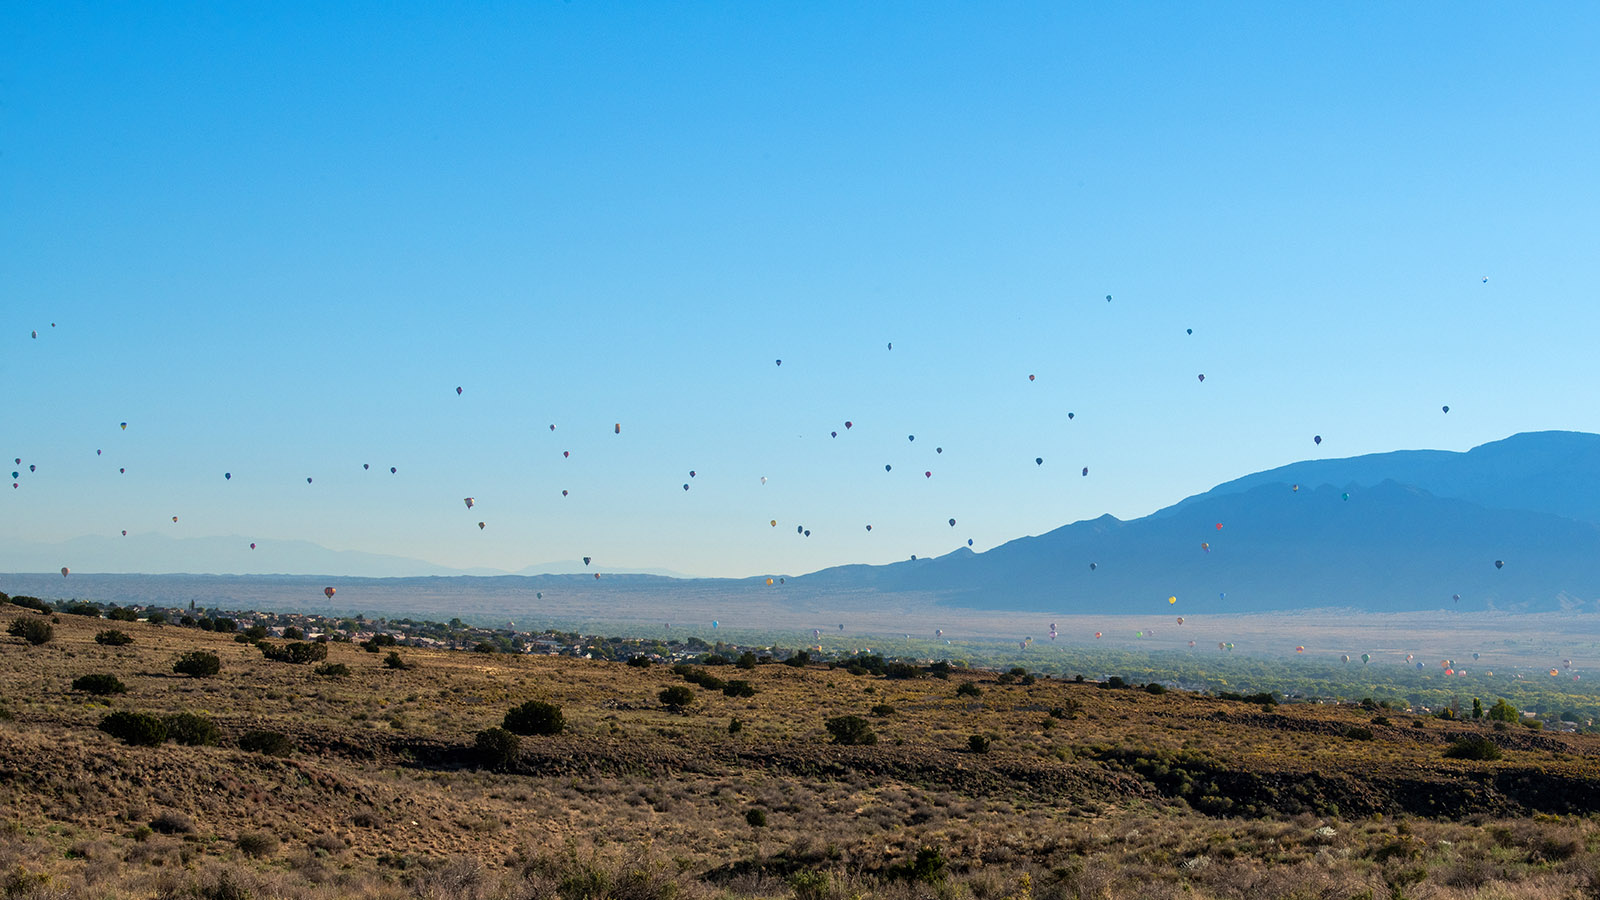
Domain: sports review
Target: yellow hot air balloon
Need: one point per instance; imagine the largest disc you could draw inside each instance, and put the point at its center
(769, 582)
(1171, 600)
(773, 523)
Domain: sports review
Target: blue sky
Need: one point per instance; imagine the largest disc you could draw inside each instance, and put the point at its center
(275, 239)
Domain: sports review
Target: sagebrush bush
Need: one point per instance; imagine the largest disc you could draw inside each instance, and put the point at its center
(676, 697)
(112, 638)
(738, 688)
(757, 818)
(393, 661)
(269, 743)
(192, 729)
(256, 844)
(34, 631)
(198, 664)
(1473, 747)
(850, 730)
(968, 689)
(100, 684)
(136, 728)
(977, 743)
(535, 717)
(171, 821)
(333, 670)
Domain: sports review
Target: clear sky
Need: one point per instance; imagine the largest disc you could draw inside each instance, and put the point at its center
(275, 238)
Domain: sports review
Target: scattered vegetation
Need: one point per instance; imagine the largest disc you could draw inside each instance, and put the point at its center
(298, 653)
(34, 631)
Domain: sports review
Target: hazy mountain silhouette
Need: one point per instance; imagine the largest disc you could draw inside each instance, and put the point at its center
(1391, 531)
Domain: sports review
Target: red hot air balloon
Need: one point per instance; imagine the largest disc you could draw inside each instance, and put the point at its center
(329, 592)
(252, 546)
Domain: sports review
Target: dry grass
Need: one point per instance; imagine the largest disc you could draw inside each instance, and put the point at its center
(632, 800)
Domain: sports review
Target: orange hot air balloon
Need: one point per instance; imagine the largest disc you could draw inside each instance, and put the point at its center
(617, 428)
(769, 582)
(1300, 649)
(329, 592)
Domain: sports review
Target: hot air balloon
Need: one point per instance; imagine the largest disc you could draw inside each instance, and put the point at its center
(952, 523)
(329, 592)
(777, 362)
(833, 434)
(1191, 643)
(565, 454)
(1171, 600)
(1295, 488)
(1219, 526)
(1097, 634)
(928, 474)
(1446, 408)
(1038, 460)
(122, 471)
(1188, 331)
(1456, 597)
(64, 571)
(597, 576)
(774, 523)
(1300, 649)
(1030, 377)
(1069, 415)
(1366, 658)
(252, 546)
(1085, 471)
(911, 437)
(308, 479)
(799, 529)
(849, 425)
(869, 527)
(1317, 440)
(469, 501)
(808, 532)
(1108, 298)
(563, 493)
(617, 428)
(763, 479)
(124, 532)
(969, 542)
(938, 449)
(1499, 564)
(97, 453)
(480, 526)
(891, 345)
(539, 595)
(392, 470)
(1345, 496)
(1419, 665)
(174, 518)
(36, 335)
(365, 467)
(1205, 546)
(714, 623)
(586, 560)
(1202, 376)
(458, 391)
(888, 468)
(1180, 620)
(1093, 566)
(32, 467)
(1344, 658)
(124, 426)
(769, 582)
(686, 485)
(552, 427)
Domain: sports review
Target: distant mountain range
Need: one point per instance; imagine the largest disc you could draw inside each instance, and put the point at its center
(1388, 532)
(1385, 532)
(232, 555)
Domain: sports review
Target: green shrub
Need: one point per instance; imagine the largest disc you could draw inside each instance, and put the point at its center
(940, 670)
(1473, 747)
(1533, 724)
(676, 697)
(198, 664)
(269, 743)
(393, 661)
(100, 684)
(119, 614)
(757, 818)
(192, 729)
(112, 638)
(1115, 682)
(254, 632)
(883, 709)
(228, 626)
(800, 659)
(746, 660)
(850, 730)
(739, 689)
(297, 653)
(138, 729)
(535, 717)
(333, 670)
(639, 662)
(735, 726)
(292, 633)
(928, 867)
(901, 671)
(497, 749)
(485, 647)
(1358, 733)
(978, 744)
(1155, 687)
(80, 608)
(968, 689)
(156, 618)
(1380, 720)
(34, 631)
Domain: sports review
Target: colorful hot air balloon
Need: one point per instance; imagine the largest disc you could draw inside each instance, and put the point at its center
(124, 426)
(1097, 634)
(769, 582)
(565, 454)
(308, 479)
(1030, 377)
(1093, 566)
(1205, 546)
(774, 523)
(469, 501)
(1499, 564)
(927, 474)
(1345, 496)
(1344, 657)
(869, 527)
(686, 485)
(392, 470)
(480, 526)
(252, 546)
(124, 532)
(174, 518)
(64, 571)
(365, 467)
(1366, 658)
(1300, 649)
(329, 592)
(1202, 376)
(1180, 620)
(617, 428)
(849, 425)
(586, 560)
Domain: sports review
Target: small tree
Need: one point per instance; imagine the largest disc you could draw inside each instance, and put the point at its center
(738, 688)
(198, 664)
(639, 662)
(393, 661)
(850, 731)
(1473, 747)
(497, 749)
(34, 631)
(536, 717)
(297, 653)
(99, 684)
(1502, 711)
(968, 689)
(978, 744)
(112, 638)
(799, 660)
